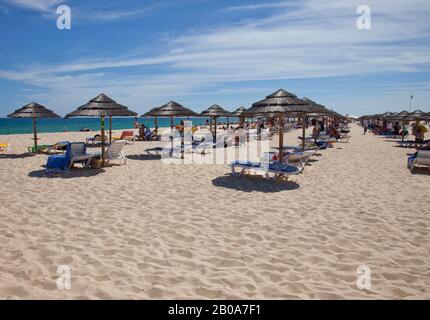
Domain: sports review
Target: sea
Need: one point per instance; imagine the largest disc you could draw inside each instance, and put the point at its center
(19, 126)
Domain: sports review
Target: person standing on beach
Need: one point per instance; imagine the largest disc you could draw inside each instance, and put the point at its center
(365, 125)
(136, 122)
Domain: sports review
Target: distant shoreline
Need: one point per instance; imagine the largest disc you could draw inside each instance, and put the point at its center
(25, 126)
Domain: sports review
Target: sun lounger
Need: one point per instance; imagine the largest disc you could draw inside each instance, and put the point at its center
(59, 147)
(294, 157)
(421, 158)
(412, 144)
(157, 152)
(406, 144)
(76, 153)
(115, 152)
(424, 146)
(319, 145)
(167, 151)
(126, 135)
(265, 169)
(96, 139)
(393, 136)
(40, 149)
(222, 141)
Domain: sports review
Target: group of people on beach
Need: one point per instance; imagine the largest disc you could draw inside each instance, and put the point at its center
(395, 129)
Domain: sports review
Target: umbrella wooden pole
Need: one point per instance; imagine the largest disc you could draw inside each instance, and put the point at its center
(182, 141)
(281, 139)
(156, 125)
(102, 126)
(171, 132)
(216, 124)
(35, 135)
(303, 132)
(110, 129)
(228, 122)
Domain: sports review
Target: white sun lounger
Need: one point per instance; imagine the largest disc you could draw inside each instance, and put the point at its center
(265, 169)
(411, 144)
(78, 155)
(168, 151)
(115, 152)
(295, 158)
(421, 159)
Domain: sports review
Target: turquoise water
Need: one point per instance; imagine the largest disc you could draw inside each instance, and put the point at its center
(16, 126)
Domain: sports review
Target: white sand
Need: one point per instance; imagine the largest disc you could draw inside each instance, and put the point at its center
(148, 230)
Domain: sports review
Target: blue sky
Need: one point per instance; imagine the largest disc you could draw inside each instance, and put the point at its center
(201, 52)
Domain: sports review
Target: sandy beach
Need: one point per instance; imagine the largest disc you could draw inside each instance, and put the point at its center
(146, 230)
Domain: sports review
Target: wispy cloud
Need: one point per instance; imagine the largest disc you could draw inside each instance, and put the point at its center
(109, 15)
(37, 5)
(4, 9)
(81, 14)
(257, 6)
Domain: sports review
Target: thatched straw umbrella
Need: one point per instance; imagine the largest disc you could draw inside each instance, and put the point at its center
(388, 115)
(323, 111)
(102, 106)
(172, 109)
(34, 111)
(214, 112)
(417, 115)
(281, 103)
(318, 110)
(240, 113)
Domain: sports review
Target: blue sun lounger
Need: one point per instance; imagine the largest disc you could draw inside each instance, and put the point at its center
(420, 158)
(76, 153)
(265, 169)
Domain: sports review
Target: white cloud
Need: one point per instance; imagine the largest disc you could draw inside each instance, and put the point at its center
(258, 6)
(38, 5)
(112, 15)
(82, 14)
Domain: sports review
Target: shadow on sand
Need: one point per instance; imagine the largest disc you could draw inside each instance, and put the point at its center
(253, 183)
(16, 156)
(74, 173)
(423, 171)
(143, 157)
(312, 161)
